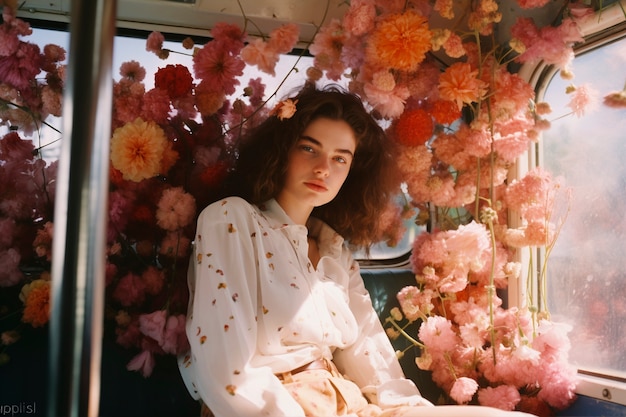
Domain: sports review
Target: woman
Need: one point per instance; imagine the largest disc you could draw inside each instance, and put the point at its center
(279, 321)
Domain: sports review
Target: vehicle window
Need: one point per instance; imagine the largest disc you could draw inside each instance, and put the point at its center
(586, 269)
(127, 48)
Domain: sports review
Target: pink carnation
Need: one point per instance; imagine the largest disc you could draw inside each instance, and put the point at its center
(437, 334)
(504, 397)
(261, 54)
(463, 390)
(284, 38)
(154, 43)
(359, 19)
(176, 209)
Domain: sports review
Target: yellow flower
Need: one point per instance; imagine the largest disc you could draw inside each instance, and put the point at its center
(137, 149)
(400, 41)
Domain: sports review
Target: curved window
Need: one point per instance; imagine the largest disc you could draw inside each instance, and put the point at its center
(586, 267)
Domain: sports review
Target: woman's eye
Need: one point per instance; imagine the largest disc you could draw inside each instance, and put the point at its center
(307, 148)
(341, 159)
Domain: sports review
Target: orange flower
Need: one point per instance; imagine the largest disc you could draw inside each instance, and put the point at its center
(36, 299)
(414, 127)
(137, 149)
(459, 83)
(284, 109)
(400, 41)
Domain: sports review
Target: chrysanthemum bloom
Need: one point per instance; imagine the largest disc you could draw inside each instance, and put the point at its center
(176, 209)
(459, 83)
(137, 149)
(215, 65)
(399, 41)
(414, 127)
(36, 298)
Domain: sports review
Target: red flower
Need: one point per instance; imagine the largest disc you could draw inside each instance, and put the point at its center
(414, 127)
(175, 79)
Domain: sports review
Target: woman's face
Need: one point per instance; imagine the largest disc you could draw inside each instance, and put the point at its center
(318, 164)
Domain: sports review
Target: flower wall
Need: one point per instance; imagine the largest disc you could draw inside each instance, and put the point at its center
(459, 128)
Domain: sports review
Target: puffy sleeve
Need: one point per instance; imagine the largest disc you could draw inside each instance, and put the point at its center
(371, 361)
(221, 319)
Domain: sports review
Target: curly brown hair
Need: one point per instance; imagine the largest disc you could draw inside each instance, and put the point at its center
(371, 183)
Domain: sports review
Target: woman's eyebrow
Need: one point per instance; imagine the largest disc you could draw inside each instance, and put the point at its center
(318, 143)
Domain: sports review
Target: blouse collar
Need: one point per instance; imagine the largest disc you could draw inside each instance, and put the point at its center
(329, 241)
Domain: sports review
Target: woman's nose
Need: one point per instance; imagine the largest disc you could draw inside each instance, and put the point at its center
(322, 167)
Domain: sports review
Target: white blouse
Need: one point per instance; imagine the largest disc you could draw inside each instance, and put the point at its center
(258, 307)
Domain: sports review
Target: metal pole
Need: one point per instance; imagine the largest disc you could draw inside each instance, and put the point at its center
(78, 263)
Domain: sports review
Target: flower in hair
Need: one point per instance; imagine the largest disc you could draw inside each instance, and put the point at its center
(284, 109)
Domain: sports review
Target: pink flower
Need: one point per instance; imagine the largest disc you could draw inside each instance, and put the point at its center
(20, 68)
(463, 390)
(414, 302)
(504, 397)
(175, 336)
(176, 209)
(143, 362)
(326, 48)
(153, 325)
(261, 54)
(132, 71)
(583, 97)
(359, 19)
(215, 65)
(154, 43)
(284, 38)
(437, 334)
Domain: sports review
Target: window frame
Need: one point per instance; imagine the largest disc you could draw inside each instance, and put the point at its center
(607, 26)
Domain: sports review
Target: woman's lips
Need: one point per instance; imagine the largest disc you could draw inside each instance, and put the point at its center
(316, 186)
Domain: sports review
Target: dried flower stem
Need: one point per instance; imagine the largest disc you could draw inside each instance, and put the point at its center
(401, 330)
